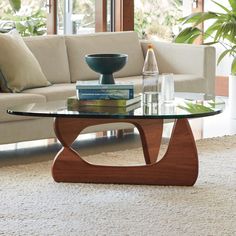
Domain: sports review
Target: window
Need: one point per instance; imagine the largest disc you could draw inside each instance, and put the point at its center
(87, 16)
(157, 19)
(76, 16)
(151, 18)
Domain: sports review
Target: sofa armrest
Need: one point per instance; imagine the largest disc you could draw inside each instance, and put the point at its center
(176, 58)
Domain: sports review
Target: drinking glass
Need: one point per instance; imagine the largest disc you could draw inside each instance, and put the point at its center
(167, 88)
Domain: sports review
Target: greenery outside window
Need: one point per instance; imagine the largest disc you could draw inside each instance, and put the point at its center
(157, 19)
(27, 16)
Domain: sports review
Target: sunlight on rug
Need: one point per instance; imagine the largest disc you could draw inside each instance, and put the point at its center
(33, 204)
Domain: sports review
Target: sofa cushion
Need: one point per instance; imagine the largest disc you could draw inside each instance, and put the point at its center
(8, 100)
(119, 42)
(19, 68)
(177, 57)
(51, 54)
(184, 83)
(55, 92)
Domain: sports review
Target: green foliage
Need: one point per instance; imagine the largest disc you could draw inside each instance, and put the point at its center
(30, 25)
(26, 24)
(141, 23)
(15, 4)
(197, 108)
(233, 66)
(156, 18)
(188, 35)
(194, 108)
(222, 30)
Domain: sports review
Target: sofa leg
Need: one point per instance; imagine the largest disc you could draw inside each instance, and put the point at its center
(129, 131)
(121, 132)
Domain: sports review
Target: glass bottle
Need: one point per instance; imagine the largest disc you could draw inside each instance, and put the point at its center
(150, 88)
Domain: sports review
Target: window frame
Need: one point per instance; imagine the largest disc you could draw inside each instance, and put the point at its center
(52, 16)
(123, 15)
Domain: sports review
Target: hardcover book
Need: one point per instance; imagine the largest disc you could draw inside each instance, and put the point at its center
(94, 94)
(92, 90)
(106, 110)
(74, 102)
(93, 84)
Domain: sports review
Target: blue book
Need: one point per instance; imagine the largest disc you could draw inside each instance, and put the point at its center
(93, 84)
(98, 94)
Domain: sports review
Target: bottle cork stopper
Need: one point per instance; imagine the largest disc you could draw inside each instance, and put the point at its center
(150, 46)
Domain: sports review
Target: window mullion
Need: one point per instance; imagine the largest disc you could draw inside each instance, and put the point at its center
(101, 15)
(198, 6)
(124, 15)
(52, 17)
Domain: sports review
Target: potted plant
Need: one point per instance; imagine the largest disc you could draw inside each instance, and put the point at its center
(222, 29)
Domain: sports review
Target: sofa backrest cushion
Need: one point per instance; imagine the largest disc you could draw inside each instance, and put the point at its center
(118, 42)
(19, 69)
(51, 54)
(177, 58)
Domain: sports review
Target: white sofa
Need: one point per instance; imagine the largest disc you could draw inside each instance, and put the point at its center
(62, 61)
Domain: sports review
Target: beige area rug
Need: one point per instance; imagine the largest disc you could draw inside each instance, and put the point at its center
(32, 203)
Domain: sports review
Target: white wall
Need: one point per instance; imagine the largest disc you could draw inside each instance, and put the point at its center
(224, 67)
(187, 7)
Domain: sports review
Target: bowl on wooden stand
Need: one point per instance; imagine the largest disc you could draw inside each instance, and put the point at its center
(106, 65)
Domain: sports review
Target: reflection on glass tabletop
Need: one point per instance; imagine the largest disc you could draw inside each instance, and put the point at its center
(186, 105)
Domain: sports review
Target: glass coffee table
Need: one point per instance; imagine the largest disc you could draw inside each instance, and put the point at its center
(178, 166)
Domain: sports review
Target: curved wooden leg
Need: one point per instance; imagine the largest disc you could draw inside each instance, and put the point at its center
(179, 166)
(151, 134)
(180, 162)
(150, 131)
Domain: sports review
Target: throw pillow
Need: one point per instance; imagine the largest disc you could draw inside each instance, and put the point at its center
(19, 68)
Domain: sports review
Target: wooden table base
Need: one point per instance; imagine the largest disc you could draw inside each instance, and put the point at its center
(179, 166)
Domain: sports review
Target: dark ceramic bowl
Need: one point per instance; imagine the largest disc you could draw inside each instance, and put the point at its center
(106, 65)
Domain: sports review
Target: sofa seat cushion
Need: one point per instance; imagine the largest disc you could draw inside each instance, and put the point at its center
(55, 92)
(183, 83)
(51, 54)
(119, 42)
(18, 66)
(189, 83)
(8, 100)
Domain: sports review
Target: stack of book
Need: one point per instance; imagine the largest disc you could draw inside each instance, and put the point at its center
(110, 98)
(91, 90)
